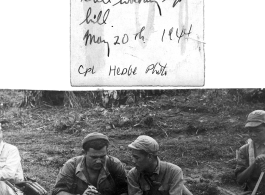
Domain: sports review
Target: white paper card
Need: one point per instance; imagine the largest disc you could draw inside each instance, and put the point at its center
(137, 43)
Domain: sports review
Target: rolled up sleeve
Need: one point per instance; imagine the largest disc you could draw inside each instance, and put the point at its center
(65, 178)
(176, 184)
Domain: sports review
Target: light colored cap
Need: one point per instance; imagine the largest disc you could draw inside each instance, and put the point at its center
(255, 118)
(146, 143)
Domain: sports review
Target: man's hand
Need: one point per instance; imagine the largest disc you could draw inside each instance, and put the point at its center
(260, 160)
(91, 190)
(260, 157)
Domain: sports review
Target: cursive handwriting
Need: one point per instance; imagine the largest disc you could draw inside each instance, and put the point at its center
(125, 71)
(96, 18)
(89, 38)
(139, 1)
(157, 69)
(176, 2)
(139, 34)
(81, 67)
(98, 1)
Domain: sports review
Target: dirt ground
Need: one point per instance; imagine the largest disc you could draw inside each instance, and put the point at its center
(198, 132)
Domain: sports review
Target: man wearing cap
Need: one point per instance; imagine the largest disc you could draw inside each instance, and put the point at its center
(95, 172)
(251, 156)
(10, 167)
(151, 176)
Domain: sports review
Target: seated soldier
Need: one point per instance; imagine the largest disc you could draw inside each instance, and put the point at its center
(95, 172)
(251, 156)
(151, 176)
(10, 166)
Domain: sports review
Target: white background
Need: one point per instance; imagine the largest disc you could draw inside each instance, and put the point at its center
(35, 44)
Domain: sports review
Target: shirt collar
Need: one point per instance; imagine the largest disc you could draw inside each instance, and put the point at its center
(157, 169)
(80, 170)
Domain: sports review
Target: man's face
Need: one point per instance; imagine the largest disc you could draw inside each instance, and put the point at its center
(257, 134)
(95, 159)
(141, 162)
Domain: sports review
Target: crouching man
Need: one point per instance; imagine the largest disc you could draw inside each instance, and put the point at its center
(251, 156)
(95, 172)
(10, 167)
(151, 176)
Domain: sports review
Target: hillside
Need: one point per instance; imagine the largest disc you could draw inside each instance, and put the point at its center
(199, 130)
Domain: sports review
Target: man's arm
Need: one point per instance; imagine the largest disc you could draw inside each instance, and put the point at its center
(65, 179)
(243, 171)
(119, 175)
(244, 175)
(11, 165)
(176, 185)
(259, 162)
(64, 193)
(133, 184)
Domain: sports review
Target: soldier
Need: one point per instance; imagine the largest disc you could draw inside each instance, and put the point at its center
(151, 176)
(95, 172)
(251, 156)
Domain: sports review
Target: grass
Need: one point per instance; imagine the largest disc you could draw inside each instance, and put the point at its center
(199, 136)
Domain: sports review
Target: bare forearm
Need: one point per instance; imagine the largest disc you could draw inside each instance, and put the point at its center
(64, 193)
(244, 176)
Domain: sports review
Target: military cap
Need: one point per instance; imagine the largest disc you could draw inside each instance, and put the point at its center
(145, 143)
(255, 118)
(94, 136)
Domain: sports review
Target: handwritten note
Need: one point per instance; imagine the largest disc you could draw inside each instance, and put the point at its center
(137, 42)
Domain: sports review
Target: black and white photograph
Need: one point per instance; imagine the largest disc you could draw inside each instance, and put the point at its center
(132, 97)
(182, 141)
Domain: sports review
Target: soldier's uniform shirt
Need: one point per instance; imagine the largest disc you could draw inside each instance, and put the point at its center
(243, 163)
(73, 177)
(167, 179)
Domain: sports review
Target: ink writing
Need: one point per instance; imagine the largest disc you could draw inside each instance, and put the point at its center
(179, 33)
(124, 39)
(96, 18)
(98, 1)
(130, 39)
(124, 71)
(176, 2)
(89, 38)
(84, 71)
(139, 34)
(157, 69)
(139, 1)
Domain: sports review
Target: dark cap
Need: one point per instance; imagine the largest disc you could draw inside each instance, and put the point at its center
(255, 118)
(94, 136)
(146, 143)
